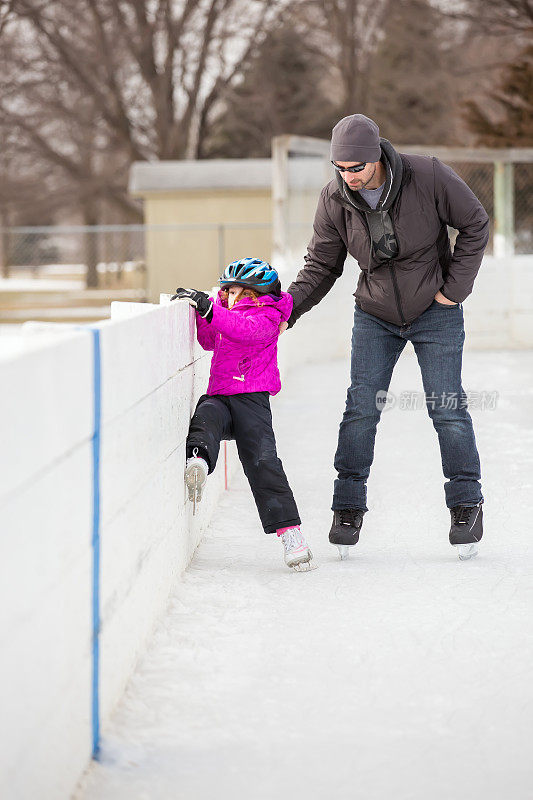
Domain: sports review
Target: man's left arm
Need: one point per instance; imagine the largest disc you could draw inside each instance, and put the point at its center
(458, 206)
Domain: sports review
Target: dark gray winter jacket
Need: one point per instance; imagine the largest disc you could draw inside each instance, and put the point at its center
(421, 198)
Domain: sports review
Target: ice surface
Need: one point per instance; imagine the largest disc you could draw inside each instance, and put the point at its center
(400, 673)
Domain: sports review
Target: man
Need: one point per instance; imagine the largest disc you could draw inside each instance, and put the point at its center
(390, 211)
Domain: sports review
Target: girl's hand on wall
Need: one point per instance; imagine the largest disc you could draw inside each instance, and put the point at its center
(199, 300)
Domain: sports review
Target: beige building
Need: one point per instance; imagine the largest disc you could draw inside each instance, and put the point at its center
(200, 215)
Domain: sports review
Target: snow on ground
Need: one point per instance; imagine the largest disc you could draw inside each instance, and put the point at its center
(401, 673)
(29, 284)
(58, 313)
(11, 340)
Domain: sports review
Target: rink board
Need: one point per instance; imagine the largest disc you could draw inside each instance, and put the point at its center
(151, 374)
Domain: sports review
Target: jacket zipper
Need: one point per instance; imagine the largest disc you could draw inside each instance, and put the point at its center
(397, 293)
(390, 264)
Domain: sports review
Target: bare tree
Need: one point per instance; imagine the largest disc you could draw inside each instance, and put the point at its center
(60, 155)
(6, 10)
(94, 84)
(511, 124)
(411, 88)
(153, 70)
(347, 32)
(281, 92)
(493, 17)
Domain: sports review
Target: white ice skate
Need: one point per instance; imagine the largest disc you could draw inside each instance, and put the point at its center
(196, 470)
(297, 553)
(344, 551)
(467, 551)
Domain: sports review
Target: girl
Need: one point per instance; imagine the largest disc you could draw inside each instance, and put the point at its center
(242, 329)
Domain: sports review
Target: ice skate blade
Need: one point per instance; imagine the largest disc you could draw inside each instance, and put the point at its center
(304, 566)
(195, 485)
(466, 551)
(344, 551)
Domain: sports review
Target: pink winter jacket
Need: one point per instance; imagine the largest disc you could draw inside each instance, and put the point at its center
(244, 341)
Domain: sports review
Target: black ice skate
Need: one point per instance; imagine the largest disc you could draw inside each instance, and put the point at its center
(466, 530)
(345, 529)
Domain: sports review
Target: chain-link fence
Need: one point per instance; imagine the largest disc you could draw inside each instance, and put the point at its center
(523, 207)
(117, 255)
(505, 188)
(100, 255)
(480, 178)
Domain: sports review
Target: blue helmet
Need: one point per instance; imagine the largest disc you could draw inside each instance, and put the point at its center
(251, 273)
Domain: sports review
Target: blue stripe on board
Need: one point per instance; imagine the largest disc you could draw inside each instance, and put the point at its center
(95, 698)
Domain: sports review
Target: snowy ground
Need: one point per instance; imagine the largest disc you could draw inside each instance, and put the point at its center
(29, 284)
(402, 673)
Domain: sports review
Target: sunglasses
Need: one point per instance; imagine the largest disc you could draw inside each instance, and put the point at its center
(358, 168)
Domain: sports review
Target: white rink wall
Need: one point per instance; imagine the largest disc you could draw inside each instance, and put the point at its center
(152, 373)
(498, 313)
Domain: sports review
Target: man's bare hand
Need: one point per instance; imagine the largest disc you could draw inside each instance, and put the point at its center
(283, 326)
(439, 297)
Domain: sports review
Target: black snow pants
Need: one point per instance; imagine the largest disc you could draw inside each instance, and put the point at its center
(247, 419)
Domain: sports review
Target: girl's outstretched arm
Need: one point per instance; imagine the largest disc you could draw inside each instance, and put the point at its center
(203, 304)
(205, 332)
(238, 327)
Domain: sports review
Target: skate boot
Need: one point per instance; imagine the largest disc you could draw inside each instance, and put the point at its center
(345, 529)
(297, 553)
(196, 470)
(466, 530)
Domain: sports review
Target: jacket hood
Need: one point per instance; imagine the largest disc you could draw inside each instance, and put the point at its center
(283, 303)
(394, 166)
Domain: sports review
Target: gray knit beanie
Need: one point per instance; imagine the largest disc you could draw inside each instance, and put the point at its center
(355, 138)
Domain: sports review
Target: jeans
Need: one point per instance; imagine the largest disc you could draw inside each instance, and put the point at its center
(246, 418)
(437, 336)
